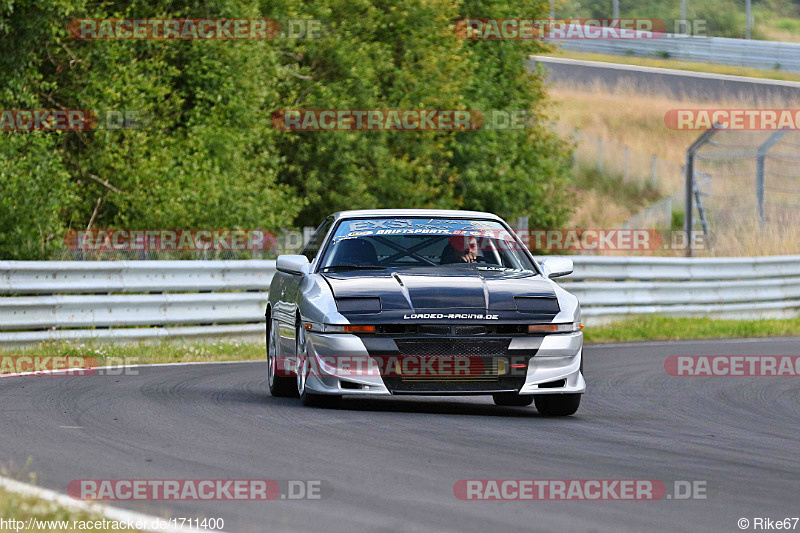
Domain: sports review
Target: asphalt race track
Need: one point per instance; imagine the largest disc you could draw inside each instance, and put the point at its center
(680, 84)
(392, 463)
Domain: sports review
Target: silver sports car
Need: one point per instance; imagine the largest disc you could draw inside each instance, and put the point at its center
(427, 302)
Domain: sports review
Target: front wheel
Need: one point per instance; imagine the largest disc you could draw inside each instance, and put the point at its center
(280, 386)
(557, 404)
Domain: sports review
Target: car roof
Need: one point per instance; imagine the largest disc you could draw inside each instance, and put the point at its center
(452, 213)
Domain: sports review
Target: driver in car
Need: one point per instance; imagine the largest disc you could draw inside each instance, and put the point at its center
(460, 249)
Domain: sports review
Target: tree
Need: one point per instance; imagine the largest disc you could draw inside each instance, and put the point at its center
(384, 55)
(206, 158)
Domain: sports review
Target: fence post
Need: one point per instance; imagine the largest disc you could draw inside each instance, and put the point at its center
(690, 153)
(761, 155)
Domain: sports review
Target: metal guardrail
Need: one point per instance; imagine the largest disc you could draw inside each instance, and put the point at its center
(131, 300)
(134, 300)
(67, 277)
(765, 55)
(610, 288)
(681, 269)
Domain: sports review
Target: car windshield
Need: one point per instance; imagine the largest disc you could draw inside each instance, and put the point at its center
(404, 242)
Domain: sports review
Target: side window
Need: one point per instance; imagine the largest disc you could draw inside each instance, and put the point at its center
(312, 248)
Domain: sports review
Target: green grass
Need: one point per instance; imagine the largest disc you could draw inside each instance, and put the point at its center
(151, 352)
(666, 328)
(788, 24)
(18, 507)
(631, 194)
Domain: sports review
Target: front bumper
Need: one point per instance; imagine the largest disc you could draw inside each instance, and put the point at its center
(554, 368)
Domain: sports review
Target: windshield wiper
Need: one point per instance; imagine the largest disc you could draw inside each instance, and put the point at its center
(352, 267)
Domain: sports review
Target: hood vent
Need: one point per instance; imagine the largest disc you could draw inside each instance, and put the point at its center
(537, 304)
(359, 305)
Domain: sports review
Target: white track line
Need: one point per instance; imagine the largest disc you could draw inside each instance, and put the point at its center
(113, 513)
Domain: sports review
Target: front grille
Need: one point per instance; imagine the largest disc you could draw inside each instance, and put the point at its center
(433, 329)
(489, 370)
(453, 347)
(472, 368)
(471, 330)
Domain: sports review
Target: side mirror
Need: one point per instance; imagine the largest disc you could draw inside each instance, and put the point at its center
(555, 267)
(293, 264)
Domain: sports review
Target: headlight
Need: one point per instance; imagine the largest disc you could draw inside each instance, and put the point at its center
(569, 327)
(333, 328)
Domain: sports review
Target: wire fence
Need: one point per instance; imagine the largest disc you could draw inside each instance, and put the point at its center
(748, 191)
(747, 188)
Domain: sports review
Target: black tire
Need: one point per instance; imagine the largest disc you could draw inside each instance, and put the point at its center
(557, 404)
(511, 399)
(279, 386)
(328, 401)
(310, 399)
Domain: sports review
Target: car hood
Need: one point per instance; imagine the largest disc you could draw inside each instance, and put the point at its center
(447, 290)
